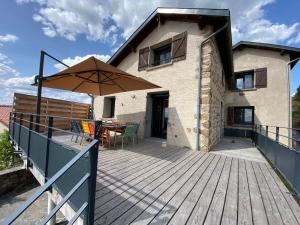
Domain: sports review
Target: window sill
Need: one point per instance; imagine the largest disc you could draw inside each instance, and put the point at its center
(159, 66)
(244, 90)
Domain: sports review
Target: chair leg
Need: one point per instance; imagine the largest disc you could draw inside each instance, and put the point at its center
(122, 143)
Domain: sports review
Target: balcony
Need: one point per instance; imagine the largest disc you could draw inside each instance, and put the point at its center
(150, 183)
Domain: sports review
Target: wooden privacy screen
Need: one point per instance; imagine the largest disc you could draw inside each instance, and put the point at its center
(51, 107)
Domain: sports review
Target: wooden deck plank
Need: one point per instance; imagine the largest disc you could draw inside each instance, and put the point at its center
(139, 183)
(109, 217)
(128, 200)
(244, 203)
(119, 156)
(184, 201)
(283, 207)
(146, 210)
(230, 208)
(287, 194)
(201, 208)
(215, 212)
(118, 181)
(132, 157)
(272, 212)
(258, 209)
(106, 177)
(150, 184)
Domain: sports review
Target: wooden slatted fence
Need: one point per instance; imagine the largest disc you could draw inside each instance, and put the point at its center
(51, 107)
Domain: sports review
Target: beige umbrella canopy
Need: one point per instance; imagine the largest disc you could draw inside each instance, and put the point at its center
(92, 76)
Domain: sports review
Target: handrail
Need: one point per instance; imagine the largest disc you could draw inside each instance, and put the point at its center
(20, 134)
(293, 142)
(12, 217)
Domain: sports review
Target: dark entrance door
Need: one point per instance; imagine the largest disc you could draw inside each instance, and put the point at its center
(160, 104)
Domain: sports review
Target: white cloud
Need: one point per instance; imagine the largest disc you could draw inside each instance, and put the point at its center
(68, 18)
(5, 66)
(295, 40)
(11, 85)
(72, 61)
(8, 38)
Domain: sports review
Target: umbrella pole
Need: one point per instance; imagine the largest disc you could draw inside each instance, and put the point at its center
(39, 90)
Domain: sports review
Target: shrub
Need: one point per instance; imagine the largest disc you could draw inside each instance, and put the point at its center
(7, 156)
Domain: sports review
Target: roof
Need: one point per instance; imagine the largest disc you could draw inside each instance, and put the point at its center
(216, 17)
(4, 114)
(292, 51)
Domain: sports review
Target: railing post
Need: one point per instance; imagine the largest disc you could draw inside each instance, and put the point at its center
(260, 128)
(93, 155)
(20, 124)
(49, 136)
(14, 122)
(9, 123)
(297, 148)
(277, 135)
(267, 131)
(29, 139)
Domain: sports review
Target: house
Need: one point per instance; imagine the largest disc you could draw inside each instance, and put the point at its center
(259, 91)
(4, 117)
(191, 110)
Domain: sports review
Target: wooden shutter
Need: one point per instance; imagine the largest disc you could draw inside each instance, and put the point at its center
(261, 78)
(179, 43)
(143, 58)
(230, 116)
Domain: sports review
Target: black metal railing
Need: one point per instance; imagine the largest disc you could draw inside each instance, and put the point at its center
(281, 146)
(70, 170)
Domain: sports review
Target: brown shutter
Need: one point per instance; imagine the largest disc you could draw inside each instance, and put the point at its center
(261, 78)
(230, 116)
(143, 58)
(179, 46)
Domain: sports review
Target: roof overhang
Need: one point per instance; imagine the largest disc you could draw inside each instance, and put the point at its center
(293, 52)
(215, 17)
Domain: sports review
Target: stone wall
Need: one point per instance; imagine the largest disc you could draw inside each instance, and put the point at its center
(15, 179)
(213, 89)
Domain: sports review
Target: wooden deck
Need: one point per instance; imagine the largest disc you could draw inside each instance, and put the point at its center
(151, 184)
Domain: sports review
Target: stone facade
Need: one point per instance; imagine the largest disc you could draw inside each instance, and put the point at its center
(177, 78)
(213, 90)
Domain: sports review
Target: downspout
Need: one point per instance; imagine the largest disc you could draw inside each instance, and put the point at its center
(288, 66)
(200, 83)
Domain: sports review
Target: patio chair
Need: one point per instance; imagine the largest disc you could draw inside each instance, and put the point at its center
(129, 132)
(137, 126)
(105, 137)
(92, 128)
(86, 131)
(76, 129)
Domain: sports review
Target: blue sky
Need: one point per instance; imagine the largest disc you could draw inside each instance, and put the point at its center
(72, 30)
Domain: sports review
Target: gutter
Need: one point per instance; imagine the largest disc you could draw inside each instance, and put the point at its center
(200, 83)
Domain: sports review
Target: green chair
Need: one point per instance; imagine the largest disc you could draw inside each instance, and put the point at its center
(137, 126)
(129, 132)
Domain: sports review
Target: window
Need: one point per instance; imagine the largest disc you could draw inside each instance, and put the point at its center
(244, 115)
(109, 107)
(244, 80)
(161, 55)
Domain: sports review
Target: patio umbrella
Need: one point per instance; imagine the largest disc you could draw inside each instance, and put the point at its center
(92, 76)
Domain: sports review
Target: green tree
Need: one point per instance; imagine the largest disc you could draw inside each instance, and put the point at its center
(7, 155)
(296, 109)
